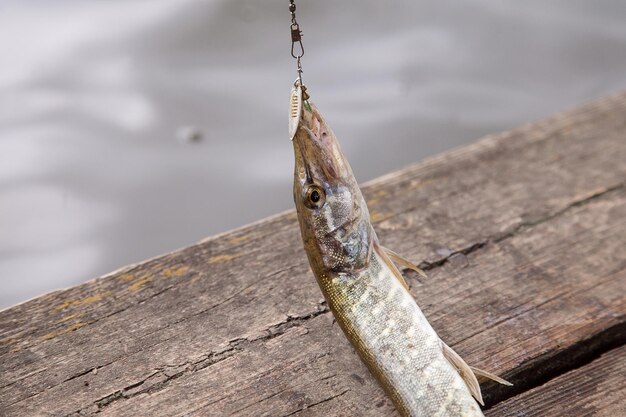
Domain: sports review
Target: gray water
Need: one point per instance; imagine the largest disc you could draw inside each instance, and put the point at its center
(96, 96)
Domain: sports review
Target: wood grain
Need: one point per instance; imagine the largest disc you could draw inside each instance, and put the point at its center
(523, 234)
(597, 389)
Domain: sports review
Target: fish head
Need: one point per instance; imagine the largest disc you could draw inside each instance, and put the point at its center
(333, 216)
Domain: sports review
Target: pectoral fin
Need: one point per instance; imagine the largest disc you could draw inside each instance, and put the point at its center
(403, 261)
(382, 252)
(464, 370)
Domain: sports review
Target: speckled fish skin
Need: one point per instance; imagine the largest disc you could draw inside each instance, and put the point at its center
(378, 315)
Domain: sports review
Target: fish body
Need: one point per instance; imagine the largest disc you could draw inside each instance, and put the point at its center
(361, 285)
(399, 346)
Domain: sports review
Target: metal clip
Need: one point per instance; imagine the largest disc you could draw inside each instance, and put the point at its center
(296, 39)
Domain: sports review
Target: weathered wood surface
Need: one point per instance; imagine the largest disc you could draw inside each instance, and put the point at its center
(524, 236)
(596, 389)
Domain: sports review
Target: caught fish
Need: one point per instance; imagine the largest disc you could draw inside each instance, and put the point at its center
(363, 287)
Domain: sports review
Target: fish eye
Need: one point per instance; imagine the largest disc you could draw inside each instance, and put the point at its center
(314, 197)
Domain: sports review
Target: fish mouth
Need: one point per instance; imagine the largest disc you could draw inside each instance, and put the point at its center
(317, 148)
(312, 163)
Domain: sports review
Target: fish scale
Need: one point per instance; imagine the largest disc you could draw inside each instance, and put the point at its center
(387, 341)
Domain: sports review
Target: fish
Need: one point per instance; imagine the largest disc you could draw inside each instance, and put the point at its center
(362, 285)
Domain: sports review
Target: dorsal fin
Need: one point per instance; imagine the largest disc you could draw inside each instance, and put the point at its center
(404, 262)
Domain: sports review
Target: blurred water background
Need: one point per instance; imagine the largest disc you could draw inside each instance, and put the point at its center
(131, 128)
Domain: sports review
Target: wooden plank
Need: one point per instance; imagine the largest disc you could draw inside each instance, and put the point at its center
(597, 389)
(523, 233)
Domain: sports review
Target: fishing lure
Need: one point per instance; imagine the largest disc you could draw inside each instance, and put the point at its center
(358, 277)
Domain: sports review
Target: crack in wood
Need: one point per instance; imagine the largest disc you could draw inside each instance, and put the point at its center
(517, 229)
(555, 363)
(527, 310)
(309, 406)
(161, 378)
(471, 248)
(520, 227)
(164, 378)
